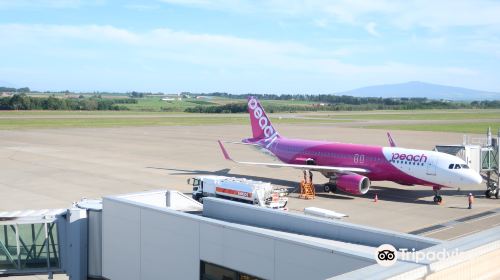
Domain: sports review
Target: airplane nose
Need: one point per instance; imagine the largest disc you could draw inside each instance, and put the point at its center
(475, 178)
(479, 179)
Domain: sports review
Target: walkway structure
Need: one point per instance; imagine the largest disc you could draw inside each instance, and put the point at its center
(43, 241)
(29, 240)
(482, 155)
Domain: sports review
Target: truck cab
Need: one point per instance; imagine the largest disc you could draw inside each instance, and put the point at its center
(197, 184)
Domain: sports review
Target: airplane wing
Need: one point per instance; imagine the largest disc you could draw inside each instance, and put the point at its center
(391, 141)
(298, 166)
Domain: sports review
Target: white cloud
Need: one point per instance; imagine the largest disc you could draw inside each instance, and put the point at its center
(109, 50)
(322, 23)
(226, 5)
(141, 7)
(484, 47)
(401, 14)
(56, 4)
(371, 28)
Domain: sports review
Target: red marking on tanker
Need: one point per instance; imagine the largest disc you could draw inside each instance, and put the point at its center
(233, 192)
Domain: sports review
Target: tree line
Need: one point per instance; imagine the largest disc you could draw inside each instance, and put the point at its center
(341, 103)
(362, 106)
(25, 102)
(11, 89)
(352, 100)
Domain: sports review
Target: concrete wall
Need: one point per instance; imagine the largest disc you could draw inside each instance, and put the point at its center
(312, 226)
(148, 242)
(470, 257)
(174, 200)
(482, 267)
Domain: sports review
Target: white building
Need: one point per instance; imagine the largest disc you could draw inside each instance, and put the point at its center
(144, 239)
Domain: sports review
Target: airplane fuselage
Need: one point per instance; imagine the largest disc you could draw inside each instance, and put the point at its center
(352, 167)
(400, 165)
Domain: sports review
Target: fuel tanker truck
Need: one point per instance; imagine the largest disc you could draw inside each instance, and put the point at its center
(239, 189)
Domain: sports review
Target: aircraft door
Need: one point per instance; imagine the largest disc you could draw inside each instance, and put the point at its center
(431, 165)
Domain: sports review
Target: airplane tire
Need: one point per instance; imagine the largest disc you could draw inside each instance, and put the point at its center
(438, 199)
(334, 188)
(487, 193)
(328, 187)
(496, 193)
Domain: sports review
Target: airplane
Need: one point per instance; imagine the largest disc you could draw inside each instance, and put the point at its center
(352, 167)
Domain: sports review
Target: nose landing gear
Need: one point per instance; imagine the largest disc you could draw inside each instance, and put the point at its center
(492, 191)
(437, 198)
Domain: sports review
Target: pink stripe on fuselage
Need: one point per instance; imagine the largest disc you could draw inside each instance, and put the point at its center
(296, 151)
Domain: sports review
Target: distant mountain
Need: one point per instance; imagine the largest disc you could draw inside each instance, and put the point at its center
(420, 89)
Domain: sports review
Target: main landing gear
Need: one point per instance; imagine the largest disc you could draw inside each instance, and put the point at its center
(331, 186)
(328, 187)
(437, 197)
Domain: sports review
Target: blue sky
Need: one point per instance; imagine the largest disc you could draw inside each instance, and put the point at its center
(242, 46)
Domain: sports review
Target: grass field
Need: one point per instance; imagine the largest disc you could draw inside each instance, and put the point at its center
(416, 115)
(475, 127)
(39, 113)
(138, 120)
(156, 104)
(152, 111)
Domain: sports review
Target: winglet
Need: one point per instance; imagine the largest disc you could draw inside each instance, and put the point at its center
(391, 141)
(224, 152)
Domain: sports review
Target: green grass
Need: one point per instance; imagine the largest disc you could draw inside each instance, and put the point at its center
(156, 104)
(286, 102)
(41, 113)
(138, 120)
(417, 115)
(477, 127)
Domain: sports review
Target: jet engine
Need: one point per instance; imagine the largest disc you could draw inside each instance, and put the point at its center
(353, 184)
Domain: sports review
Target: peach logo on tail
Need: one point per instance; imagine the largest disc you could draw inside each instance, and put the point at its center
(269, 133)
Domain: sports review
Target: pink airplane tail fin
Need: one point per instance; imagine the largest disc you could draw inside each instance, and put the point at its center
(262, 129)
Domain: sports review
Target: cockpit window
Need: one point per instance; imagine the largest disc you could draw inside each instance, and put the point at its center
(457, 166)
(464, 166)
(451, 166)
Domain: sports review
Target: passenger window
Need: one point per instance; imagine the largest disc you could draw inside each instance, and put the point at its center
(457, 166)
(451, 166)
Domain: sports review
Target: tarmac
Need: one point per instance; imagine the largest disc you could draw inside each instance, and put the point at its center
(51, 168)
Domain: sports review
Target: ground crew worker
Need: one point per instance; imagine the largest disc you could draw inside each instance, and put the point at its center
(310, 177)
(471, 199)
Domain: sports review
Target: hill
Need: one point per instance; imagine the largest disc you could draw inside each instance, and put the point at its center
(420, 89)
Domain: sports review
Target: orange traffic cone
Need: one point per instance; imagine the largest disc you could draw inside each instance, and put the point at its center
(376, 198)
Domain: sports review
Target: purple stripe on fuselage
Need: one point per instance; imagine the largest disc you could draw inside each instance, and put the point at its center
(295, 151)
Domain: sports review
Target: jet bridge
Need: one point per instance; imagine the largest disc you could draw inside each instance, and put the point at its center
(29, 241)
(46, 241)
(482, 155)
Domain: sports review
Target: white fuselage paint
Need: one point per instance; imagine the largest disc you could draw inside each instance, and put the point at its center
(431, 166)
